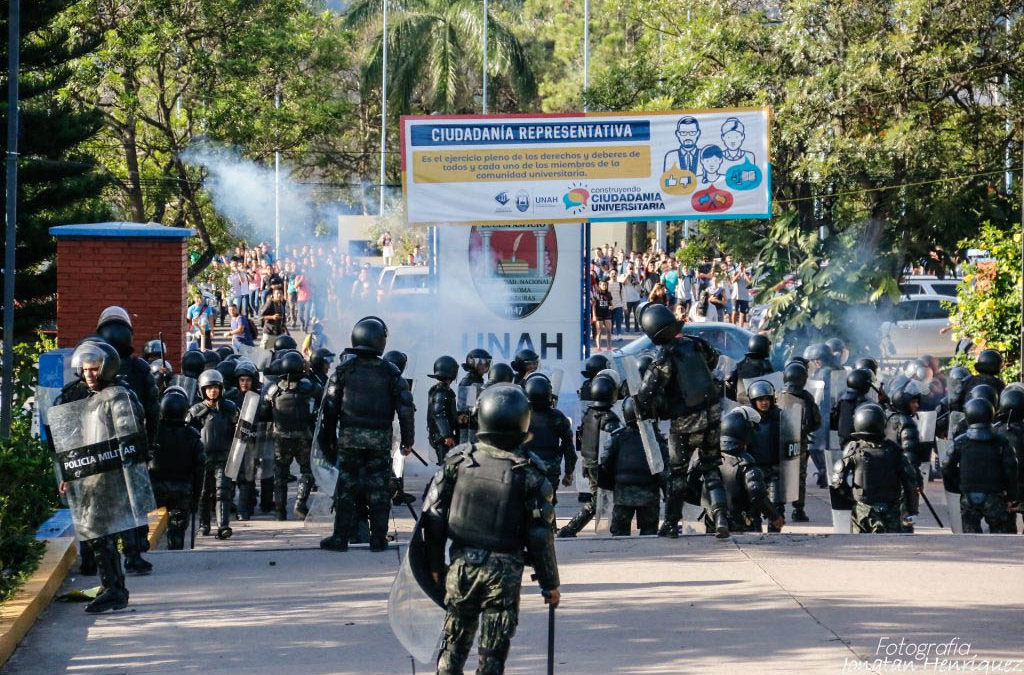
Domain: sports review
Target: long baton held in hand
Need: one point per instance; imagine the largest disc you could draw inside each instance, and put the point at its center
(929, 505)
(551, 636)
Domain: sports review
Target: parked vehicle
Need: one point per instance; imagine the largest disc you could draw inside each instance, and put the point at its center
(919, 325)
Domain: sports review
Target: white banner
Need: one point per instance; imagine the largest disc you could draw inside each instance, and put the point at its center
(493, 277)
(593, 167)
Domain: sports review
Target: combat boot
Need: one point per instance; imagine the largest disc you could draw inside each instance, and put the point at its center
(281, 500)
(175, 541)
(109, 599)
(135, 564)
(578, 522)
(338, 541)
(669, 529)
(246, 500)
(721, 524)
(266, 495)
(379, 526)
(302, 497)
(108, 563)
(799, 515)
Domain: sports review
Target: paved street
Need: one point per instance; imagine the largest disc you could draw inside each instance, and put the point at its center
(268, 600)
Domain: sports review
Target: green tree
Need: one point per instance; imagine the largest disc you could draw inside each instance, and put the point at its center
(169, 73)
(58, 181)
(434, 54)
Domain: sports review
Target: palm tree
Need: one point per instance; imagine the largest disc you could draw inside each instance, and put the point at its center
(434, 52)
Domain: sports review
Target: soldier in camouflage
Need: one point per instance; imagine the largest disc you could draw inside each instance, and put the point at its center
(884, 482)
(637, 491)
(494, 504)
(982, 468)
(442, 416)
(679, 386)
(364, 395)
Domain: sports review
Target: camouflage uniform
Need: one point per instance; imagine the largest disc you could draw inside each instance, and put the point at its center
(876, 518)
(991, 507)
(635, 499)
(483, 584)
(693, 431)
(364, 470)
(176, 497)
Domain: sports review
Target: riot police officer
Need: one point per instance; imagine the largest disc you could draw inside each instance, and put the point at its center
(320, 367)
(248, 378)
(636, 489)
(821, 364)
(794, 378)
(679, 386)
(882, 476)
(858, 384)
(551, 433)
(176, 466)
(763, 445)
(442, 417)
(500, 373)
(988, 364)
(983, 469)
(362, 399)
(215, 418)
(494, 504)
(192, 364)
(115, 327)
(598, 418)
(525, 362)
(1011, 427)
(756, 363)
(290, 404)
(476, 365)
(742, 480)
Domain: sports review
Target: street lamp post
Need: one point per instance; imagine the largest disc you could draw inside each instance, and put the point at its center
(277, 189)
(13, 64)
(486, 31)
(383, 107)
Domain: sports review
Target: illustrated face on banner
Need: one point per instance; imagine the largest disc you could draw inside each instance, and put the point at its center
(513, 267)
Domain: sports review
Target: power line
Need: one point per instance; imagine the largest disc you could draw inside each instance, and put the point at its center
(883, 188)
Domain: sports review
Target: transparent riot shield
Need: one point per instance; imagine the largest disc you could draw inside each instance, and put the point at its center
(816, 388)
(926, 425)
(465, 402)
(840, 502)
(241, 458)
(325, 472)
(955, 418)
(741, 388)
(256, 354)
(956, 523)
(101, 452)
(789, 452)
(189, 384)
(415, 615)
(652, 449)
(604, 500)
(837, 385)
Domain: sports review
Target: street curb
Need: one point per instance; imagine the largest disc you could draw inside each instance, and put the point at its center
(157, 527)
(18, 614)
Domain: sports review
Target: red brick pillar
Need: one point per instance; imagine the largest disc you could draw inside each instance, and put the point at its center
(139, 267)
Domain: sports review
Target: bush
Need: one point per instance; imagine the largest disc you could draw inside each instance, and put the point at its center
(28, 491)
(990, 295)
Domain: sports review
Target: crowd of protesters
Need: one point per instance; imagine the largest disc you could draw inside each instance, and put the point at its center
(715, 289)
(261, 295)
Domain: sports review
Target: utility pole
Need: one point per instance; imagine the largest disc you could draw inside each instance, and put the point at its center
(13, 65)
(486, 31)
(586, 51)
(383, 108)
(277, 186)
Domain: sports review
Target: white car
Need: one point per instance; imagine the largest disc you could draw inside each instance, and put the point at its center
(917, 328)
(928, 285)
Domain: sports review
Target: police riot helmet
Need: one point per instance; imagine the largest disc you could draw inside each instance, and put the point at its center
(1011, 404)
(859, 380)
(629, 411)
(93, 355)
(173, 406)
(840, 354)
(291, 365)
(658, 323)
(210, 378)
(157, 368)
(869, 421)
(734, 432)
(613, 375)
(283, 343)
(795, 373)
(320, 359)
(759, 346)
(224, 352)
(603, 392)
(760, 389)
(445, 368)
(210, 358)
(503, 416)
(192, 363)
(153, 350)
(369, 336)
(526, 360)
(500, 373)
(989, 362)
(246, 368)
(594, 365)
(979, 411)
(820, 352)
(538, 390)
(902, 397)
(397, 359)
(956, 380)
(984, 391)
(477, 361)
(867, 363)
(115, 327)
(643, 363)
(227, 370)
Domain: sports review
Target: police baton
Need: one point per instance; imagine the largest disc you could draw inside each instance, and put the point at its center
(418, 456)
(551, 635)
(929, 505)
